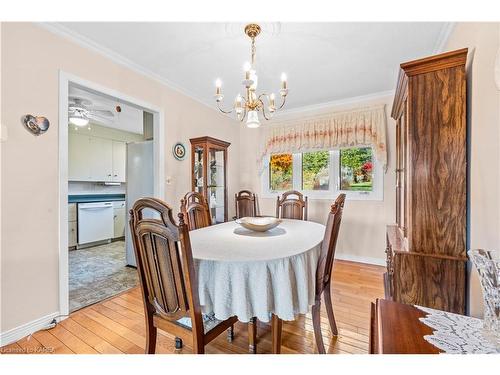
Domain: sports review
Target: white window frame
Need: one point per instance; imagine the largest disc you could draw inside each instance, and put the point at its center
(377, 193)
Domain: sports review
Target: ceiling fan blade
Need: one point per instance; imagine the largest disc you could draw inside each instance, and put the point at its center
(102, 112)
(96, 117)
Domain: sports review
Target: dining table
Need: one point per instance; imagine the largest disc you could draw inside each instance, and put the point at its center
(270, 276)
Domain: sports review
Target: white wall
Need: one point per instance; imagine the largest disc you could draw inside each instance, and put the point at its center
(483, 107)
(31, 60)
(362, 237)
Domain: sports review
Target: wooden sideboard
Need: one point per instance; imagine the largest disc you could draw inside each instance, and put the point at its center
(396, 329)
(426, 247)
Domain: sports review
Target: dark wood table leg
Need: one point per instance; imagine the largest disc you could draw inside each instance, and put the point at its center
(276, 326)
(252, 336)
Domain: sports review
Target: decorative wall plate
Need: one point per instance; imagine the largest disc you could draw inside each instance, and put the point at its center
(179, 151)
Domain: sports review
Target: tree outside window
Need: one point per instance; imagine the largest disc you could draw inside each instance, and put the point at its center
(315, 170)
(356, 169)
(281, 172)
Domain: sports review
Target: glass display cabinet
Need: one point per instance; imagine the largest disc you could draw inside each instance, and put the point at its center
(209, 171)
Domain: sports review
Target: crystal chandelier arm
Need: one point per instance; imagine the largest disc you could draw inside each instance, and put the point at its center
(222, 110)
(283, 98)
(244, 115)
(264, 110)
(263, 94)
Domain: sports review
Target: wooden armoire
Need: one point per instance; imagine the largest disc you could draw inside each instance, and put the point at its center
(426, 248)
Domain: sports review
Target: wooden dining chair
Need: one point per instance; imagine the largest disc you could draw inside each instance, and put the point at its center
(168, 280)
(290, 207)
(246, 204)
(194, 206)
(324, 272)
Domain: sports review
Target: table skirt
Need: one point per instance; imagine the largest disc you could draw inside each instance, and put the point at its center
(285, 287)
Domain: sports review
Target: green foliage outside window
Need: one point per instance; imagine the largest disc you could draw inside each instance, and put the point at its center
(315, 172)
(356, 169)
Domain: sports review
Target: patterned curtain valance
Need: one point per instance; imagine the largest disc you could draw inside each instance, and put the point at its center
(361, 127)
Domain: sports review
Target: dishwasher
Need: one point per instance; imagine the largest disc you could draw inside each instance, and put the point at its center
(95, 222)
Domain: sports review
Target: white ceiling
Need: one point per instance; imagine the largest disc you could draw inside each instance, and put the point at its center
(324, 61)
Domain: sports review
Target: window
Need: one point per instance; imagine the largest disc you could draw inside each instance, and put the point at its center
(325, 174)
(356, 169)
(281, 172)
(315, 170)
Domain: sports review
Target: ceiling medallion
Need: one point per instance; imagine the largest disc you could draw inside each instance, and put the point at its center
(248, 107)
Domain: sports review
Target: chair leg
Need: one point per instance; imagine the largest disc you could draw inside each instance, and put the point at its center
(198, 347)
(151, 333)
(276, 328)
(329, 310)
(316, 317)
(230, 333)
(252, 336)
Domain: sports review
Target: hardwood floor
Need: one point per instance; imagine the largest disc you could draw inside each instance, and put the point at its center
(117, 324)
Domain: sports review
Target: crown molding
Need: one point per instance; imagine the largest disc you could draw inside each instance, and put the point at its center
(64, 32)
(314, 109)
(443, 37)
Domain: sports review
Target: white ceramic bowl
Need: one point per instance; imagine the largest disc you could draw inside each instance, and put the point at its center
(259, 224)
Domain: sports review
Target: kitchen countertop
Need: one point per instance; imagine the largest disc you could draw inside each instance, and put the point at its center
(87, 198)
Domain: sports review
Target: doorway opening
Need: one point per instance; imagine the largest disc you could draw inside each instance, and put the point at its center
(110, 155)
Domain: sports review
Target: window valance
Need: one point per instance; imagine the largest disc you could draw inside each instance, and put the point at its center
(360, 127)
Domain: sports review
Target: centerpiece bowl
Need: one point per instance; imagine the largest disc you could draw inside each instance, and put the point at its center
(259, 224)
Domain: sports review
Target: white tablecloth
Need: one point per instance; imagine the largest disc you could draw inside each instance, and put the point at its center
(252, 274)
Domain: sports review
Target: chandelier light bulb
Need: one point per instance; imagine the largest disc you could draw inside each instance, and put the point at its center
(218, 90)
(272, 106)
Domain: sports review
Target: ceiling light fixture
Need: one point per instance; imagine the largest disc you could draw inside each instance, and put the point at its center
(78, 119)
(249, 106)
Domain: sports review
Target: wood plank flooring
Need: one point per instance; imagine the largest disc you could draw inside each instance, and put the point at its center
(116, 325)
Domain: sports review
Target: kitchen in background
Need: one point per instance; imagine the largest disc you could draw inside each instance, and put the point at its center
(110, 165)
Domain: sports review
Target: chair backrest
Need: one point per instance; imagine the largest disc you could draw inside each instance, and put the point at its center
(288, 207)
(246, 205)
(325, 263)
(194, 206)
(164, 260)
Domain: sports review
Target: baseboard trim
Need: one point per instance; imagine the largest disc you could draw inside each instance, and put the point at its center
(359, 259)
(24, 330)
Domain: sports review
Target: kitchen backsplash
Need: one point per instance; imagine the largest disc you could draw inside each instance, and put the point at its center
(75, 188)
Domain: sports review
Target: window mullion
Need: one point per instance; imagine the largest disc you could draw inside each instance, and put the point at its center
(297, 171)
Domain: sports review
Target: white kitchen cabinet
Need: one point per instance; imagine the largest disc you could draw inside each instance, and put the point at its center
(78, 151)
(72, 225)
(96, 159)
(119, 217)
(100, 159)
(119, 161)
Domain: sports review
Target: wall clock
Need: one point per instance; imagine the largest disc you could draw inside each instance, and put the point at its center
(179, 151)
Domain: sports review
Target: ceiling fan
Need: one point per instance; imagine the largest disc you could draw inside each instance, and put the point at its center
(81, 111)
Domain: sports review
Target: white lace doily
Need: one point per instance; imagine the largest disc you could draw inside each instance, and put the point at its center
(456, 334)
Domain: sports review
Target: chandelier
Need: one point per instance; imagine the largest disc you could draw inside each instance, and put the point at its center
(248, 107)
